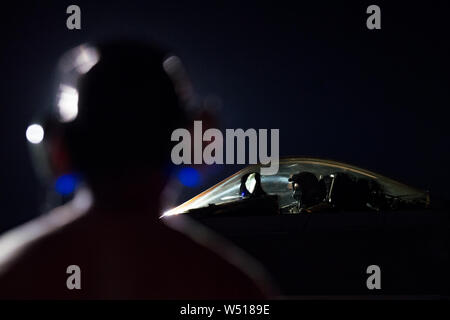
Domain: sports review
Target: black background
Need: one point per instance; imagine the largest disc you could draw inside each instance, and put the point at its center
(373, 98)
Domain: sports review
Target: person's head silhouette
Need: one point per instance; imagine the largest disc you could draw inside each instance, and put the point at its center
(116, 107)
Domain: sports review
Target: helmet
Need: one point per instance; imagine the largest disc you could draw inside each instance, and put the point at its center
(116, 106)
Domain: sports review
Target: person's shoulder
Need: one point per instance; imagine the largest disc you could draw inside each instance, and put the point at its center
(18, 243)
(232, 267)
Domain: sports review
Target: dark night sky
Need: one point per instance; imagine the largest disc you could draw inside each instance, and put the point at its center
(335, 89)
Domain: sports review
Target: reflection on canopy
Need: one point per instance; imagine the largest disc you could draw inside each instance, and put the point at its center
(228, 189)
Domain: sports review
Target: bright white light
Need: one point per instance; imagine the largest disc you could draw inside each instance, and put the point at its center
(79, 60)
(35, 133)
(250, 184)
(171, 212)
(67, 103)
(86, 59)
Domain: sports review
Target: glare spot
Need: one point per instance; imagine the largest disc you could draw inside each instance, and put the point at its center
(189, 177)
(66, 184)
(86, 59)
(67, 103)
(79, 60)
(35, 133)
(250, 183)
(171, 212)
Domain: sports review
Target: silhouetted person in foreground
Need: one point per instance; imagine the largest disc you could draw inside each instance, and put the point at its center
(115, 111)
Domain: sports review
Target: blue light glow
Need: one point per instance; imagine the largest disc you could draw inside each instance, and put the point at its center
(189, 177)
(66, 184)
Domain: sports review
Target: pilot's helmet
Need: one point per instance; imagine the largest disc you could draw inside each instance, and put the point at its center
(305, 186)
